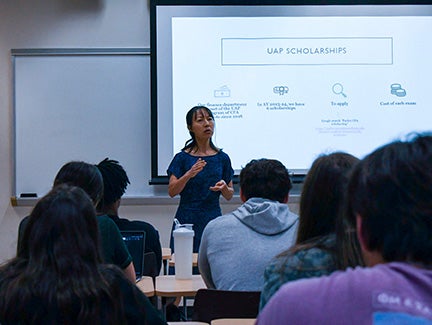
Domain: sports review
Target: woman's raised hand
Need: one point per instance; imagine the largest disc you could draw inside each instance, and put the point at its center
(197, 167)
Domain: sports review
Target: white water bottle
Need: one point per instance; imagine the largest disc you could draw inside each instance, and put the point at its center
(183, 245)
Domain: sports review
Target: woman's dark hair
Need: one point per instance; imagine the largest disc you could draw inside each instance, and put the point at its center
(321, 211)
(83, 175)
(190, 116)
(115, 182)
(391, 191)
(56, 275)
(322, 195)
(265, 178)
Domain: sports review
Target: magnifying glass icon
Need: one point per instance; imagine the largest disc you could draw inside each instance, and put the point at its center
(338, 89)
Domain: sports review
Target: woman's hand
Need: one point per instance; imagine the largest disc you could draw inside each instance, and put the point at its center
(197, 167)
(226, 189)
(219, 186)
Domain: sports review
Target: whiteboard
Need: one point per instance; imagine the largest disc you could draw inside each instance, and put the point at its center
(80, 105)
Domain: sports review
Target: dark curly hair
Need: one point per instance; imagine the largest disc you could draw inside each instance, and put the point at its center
(115, 181)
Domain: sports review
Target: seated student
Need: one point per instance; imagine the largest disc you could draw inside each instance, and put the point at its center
(314, 253)
(389, 199)
(115, 183)
(57, 276)
(236, 247)
(88, 177)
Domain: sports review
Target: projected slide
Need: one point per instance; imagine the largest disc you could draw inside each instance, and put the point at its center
(291, 88)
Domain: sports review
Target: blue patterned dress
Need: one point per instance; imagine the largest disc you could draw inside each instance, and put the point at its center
(198, 205)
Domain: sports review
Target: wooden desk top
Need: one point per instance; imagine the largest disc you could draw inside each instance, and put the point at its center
(166, 253)
(233, 321)
(194, 259)
(146, 286)
(187, 323)
(169, 286)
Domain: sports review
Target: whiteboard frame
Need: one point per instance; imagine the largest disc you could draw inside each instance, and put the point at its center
(15, 53)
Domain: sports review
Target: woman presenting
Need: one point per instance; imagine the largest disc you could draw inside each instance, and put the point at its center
(200, 173)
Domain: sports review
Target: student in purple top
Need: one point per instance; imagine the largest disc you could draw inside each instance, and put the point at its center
(200, 173)
(389, 200)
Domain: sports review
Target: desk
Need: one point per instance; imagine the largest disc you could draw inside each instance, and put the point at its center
(166, 256)
(233, 321)
(187, 323)
(194, 259)
(166, 253)
(146, 286)
(169, 286)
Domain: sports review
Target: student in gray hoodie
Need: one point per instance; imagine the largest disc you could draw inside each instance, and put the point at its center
(236, 247)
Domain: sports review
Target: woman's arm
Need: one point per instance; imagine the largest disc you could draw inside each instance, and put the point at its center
(176, 185)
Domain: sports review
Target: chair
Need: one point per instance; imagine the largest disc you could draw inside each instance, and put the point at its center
(150, 265)
(212, 304)
(150, 269)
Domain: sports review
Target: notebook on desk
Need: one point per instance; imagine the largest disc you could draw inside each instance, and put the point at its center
(135, 242)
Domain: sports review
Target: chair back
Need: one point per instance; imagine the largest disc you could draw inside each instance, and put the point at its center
(213, 304)
(150, 265)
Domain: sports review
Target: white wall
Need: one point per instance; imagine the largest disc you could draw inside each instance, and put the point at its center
(68, 24)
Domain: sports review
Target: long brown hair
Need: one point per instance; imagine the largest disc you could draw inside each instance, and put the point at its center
(321, 202)
(322, 195)
(56, 275)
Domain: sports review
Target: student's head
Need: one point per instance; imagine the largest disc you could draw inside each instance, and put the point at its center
(195, 118)
(322, 194)
(62, 232)
(265, 178)
(59, 266)
(83, 175)
(389, 195)
(115, 182)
